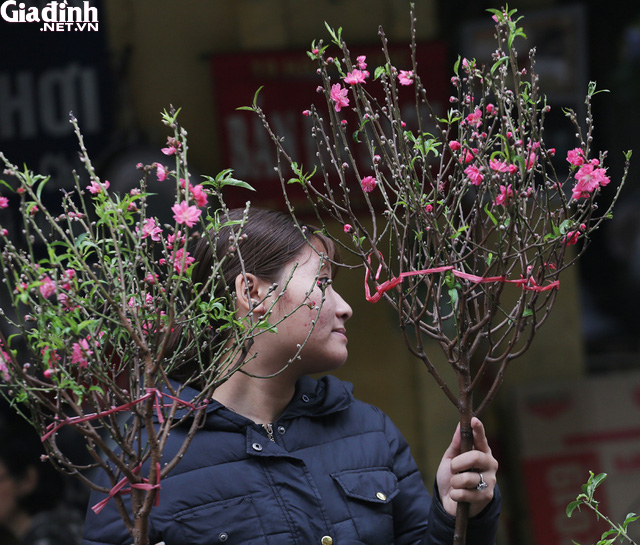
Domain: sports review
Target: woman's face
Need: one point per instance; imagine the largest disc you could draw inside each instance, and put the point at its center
(326, 346)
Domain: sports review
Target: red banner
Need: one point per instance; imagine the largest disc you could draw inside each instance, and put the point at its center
(289, 82)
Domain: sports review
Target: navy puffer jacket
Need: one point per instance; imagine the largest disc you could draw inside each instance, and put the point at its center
(338, 472)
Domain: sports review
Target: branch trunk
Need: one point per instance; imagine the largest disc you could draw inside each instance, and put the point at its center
(465, 408)
(140, 521)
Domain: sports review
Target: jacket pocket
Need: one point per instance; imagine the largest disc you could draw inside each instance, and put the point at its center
(377, 485)
(368, 494)
(229, 521)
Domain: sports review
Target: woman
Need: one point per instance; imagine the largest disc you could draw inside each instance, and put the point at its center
(33, 506)
(291, 460)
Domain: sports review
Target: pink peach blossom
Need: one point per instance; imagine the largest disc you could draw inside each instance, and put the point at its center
(501, 166)
(339, 96)
(185, 214)
(80, 353)
(199, 195)
(48, 287)
(530, 161)
(369, 184)
(469, 155)
(161, 171)
(475, 119)
(354, 77)
(169, 150)
(571, 238)
(588, 180)
(455, 145)
(362, 65)
(4, 202)
(4, 370)
(177, 238)
(575, 157)
(182, 260)
(97, 187)
(197, 192)
(474, 174)
(405, 77)
(506, 192)
(151, 229)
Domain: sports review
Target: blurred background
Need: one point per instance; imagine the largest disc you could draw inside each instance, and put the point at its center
(572, 404)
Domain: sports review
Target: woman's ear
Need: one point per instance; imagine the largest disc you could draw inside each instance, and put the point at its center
(250, 294)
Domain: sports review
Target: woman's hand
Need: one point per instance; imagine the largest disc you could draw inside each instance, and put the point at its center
(458, 475)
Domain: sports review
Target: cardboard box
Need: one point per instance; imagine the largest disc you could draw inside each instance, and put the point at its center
(571, 428)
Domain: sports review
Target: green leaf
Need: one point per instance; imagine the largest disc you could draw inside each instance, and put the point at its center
(597, 480)
(96, 389)
(335, 36)
(572, 507)
(591, 90)
(254, 106)
(490, 215)
(6, 184)
(456, 66)
(223, 179)
(302, 178)
(631, 517)
(497, 64)
(238, 183)
(40, 187)
(459, 231)
(380, 71)
(453, 294)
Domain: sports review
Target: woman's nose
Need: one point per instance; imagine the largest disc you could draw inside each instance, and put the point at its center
(343, 309)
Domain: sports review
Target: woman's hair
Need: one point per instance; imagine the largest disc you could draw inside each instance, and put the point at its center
(269, 241)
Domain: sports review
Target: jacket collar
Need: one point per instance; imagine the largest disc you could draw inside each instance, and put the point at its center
(312, 398)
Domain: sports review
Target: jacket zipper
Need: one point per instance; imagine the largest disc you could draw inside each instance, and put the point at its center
(269, 429)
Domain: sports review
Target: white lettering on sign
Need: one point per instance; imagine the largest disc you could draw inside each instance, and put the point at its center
(30, 105)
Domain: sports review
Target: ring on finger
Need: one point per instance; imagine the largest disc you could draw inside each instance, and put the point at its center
(481, 485)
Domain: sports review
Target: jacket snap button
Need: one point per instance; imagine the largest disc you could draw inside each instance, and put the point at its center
(381, 496)
(326, 540)
(281, 430)
(305, 398)
(257, 447)
(223, 536)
